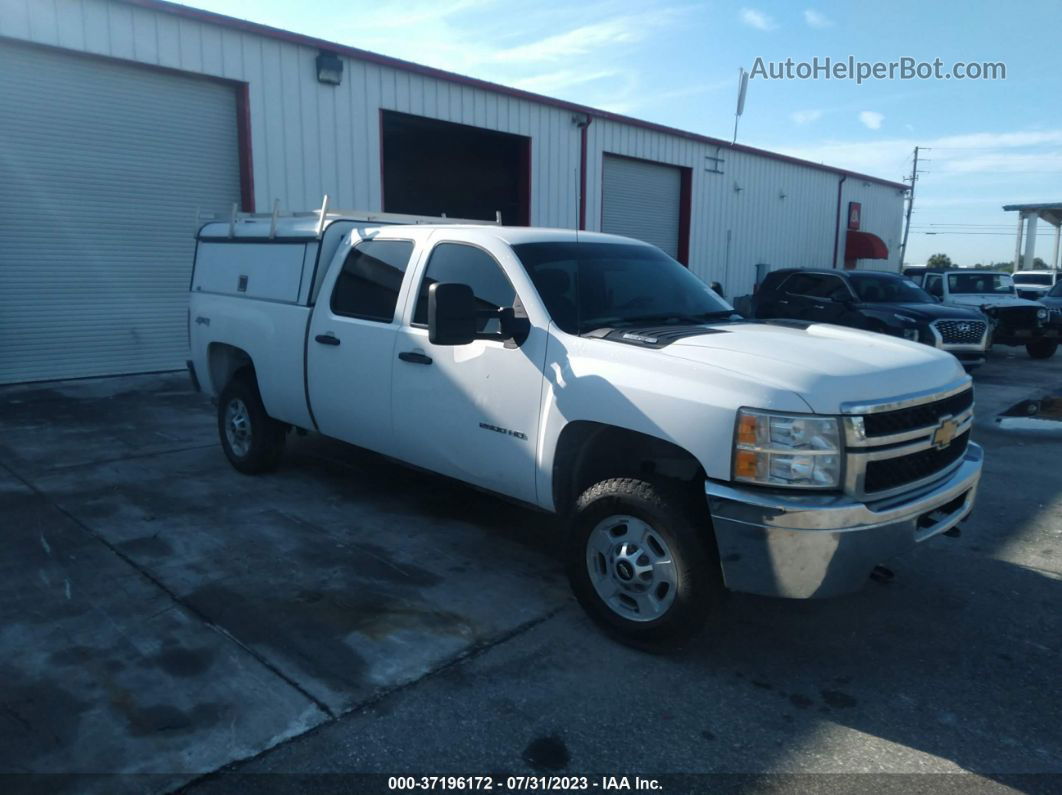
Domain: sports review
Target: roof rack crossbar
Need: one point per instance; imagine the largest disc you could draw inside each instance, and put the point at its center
(324, 212)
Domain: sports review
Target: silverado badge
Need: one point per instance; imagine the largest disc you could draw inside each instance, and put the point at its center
(944, 433)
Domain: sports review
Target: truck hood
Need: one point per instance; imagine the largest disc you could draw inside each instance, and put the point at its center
(825, 365)
(926, 311)
(989, 299)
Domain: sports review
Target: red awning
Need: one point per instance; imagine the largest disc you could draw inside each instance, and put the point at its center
(863, 245)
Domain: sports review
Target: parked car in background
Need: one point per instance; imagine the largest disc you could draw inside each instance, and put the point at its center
(915, 273)
(1034, 285)
(1053, 301)
(1015, 320)
(876, 301)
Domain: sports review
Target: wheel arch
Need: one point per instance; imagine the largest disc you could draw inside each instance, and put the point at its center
(588, 452)
(224, 361)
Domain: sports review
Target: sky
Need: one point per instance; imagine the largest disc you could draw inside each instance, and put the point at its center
(986, 143)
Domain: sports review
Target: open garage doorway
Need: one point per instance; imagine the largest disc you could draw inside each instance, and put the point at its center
(432, 167)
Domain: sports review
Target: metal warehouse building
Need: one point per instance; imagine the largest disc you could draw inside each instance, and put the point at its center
(120, 119)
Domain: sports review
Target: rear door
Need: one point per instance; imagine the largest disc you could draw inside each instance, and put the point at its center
(825, 299)
(350, 347)
(795, 299)
(470, 411)
(934, 285)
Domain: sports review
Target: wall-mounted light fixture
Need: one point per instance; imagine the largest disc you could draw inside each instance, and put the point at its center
(329, 68)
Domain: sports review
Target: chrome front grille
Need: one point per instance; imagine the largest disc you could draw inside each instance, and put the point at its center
(899, 445)
(890, 473)
(961, 332)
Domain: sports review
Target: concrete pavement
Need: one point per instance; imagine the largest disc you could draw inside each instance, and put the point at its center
(164, 614)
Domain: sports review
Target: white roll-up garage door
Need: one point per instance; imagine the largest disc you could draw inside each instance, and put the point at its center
(102, 167)
(642, 200)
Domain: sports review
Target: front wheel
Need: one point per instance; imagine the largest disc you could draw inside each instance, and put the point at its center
(251, 439)
(641, 561)
(1042, 349)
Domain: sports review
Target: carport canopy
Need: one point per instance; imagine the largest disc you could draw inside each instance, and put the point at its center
(864, 245)
(1050, 212)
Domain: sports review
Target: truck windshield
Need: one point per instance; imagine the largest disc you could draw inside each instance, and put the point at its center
(594, 285)
(980, 283)
(885, 289)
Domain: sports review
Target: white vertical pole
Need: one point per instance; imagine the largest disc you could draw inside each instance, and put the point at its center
(1030, 242)
(1058, 235)
(1017, 243)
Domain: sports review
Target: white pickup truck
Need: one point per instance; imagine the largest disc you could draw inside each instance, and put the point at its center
(591, 376)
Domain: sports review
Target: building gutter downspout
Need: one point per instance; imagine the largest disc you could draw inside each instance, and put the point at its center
(837, 230)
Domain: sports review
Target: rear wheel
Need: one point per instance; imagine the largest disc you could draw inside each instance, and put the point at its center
(252, 440)
(642, 564)
(1042, 349)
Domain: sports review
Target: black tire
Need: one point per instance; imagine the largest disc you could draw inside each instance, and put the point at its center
(264, 440)
(686, 532)
(1041, 349)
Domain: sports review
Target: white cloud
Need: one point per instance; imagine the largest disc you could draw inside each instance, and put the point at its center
(805, 116)
(871, 119)
(562, 79)
(578, 41)
(816, 19)
(993, 156)
(757, 19)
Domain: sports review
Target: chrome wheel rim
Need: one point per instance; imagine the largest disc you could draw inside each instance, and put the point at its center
(631, 568)
(238, 427)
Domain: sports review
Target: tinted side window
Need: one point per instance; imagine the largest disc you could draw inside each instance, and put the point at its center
(802, 283)
(832, 287)
(368, 285)
(456, 262)
(934, 285)
(772, 281)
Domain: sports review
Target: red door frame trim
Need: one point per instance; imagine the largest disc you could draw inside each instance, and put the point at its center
(837, 228)
(524, 186)
(685, 208)
(243, 135)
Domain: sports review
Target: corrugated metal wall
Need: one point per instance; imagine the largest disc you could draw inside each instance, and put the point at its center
(309, 139)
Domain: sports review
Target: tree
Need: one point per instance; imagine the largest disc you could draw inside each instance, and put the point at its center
(939, 261)
(1039, 264)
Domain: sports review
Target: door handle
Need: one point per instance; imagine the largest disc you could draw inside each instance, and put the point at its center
(327, 339)
(414, 358)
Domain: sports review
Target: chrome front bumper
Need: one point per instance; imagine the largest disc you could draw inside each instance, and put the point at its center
(802, 546)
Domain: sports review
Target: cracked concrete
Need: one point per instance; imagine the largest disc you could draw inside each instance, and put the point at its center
(165, 614)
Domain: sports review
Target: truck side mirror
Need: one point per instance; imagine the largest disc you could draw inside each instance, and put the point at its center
(451, 314)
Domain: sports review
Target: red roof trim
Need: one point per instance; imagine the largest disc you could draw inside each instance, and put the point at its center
(428, 71)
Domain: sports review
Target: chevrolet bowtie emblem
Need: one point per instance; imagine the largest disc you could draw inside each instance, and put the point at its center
(944, 433)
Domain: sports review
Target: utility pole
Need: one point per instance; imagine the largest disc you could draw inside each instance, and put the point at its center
(910, 204)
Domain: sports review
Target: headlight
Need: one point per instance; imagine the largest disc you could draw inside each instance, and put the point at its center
(910, 334)
(787, 450)
(1041, 314)
(904, 318)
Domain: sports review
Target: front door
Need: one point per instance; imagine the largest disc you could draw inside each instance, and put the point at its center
(470, 411)
(350, 349)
